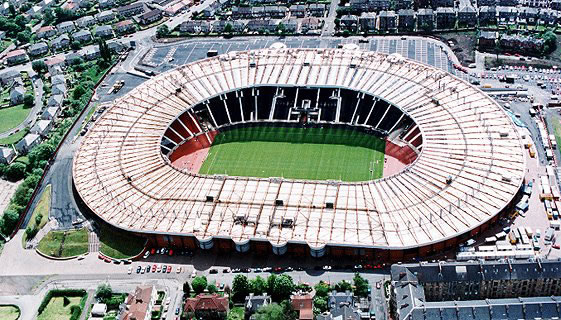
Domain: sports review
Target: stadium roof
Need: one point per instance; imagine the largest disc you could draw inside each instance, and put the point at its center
(468, 140)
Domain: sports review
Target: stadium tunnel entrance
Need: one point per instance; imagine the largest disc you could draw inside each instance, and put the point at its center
(186, 142)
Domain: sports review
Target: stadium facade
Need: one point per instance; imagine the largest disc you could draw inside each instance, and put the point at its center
(462, 155)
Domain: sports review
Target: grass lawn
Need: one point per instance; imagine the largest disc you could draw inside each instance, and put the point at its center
(11, 117)
(9, 312)
(557, 129)
(57, 310)
(296, 153)
(236, 313)
(119, 245)
(64, 243)
(14, 138)
(42, 208)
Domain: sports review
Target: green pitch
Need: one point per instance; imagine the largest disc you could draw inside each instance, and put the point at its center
(296, 153)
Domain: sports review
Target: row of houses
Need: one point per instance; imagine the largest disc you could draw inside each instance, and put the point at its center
(291, 25)
(446, 18)
(279, 11)
(488, 40)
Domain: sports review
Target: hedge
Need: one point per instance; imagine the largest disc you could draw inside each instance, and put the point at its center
(60, 293)
(76, 311)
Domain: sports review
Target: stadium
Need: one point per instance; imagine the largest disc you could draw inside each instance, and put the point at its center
(302, 151)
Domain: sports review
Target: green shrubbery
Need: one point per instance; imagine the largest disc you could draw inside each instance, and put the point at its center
(60, 293)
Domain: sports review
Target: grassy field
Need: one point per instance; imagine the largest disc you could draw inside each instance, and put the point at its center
(64, 243)
(296, 153)
(119, 245)
(555, 121)
(9, 312)
(42, 208)
(11, 117)
(56, 309)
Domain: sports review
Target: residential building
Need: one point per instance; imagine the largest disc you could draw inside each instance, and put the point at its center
(517, 43)
(56, 101)
(208, 306)
(105, 16)
(377, 5)
(58, 79)
(82, 35)
(140, 303)
(406, 20)
(71, 6)
(177, 8)
(85, 22)
(105, 4)
(125, 26)
(467, 16)
(304, 305)
(42, 127)
(487, 39)
(219, 25)
(368, 21)
(27, 143)
(487, 15)
(276, 12)
(104, 31)
(241, 12)
(9, 76)
(548, 17)
(489, 3)
(258, 12)
(195, 26)
(208, 12)
(359, 5)
(50, 113)
(507, 15)
(67, 26)
(54, 62)
(151, 16)
(504, 289)
(317, 9)
(16, 56)
(387, 21)
(445, 18)
(298, 11)
(403, 4)
(510, 3)
(61, 42)
(425, 19)
(99, 310)
(343, 313)
(7, 155)
(91, 52)
(337, 300)
(131, 9)
(38, 49)
(16, 95)
(309, 24)
(442, 3)
(59, 89)
(349, 22)
(46, 32)
(253, 303)
(262, 25)
(290, 25)
(527, 15)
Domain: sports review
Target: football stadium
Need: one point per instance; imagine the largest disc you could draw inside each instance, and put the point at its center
(302, 151)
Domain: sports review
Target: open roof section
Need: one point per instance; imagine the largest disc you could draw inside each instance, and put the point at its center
(470, 167)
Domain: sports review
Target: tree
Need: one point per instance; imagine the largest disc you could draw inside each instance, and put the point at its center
(361, 286)
(15, 171)
(343, 286)
(103, 292)
(75, 45)
(258, 285)
(104, 50)
(48, 17)
(38, 219)
(64, 15)
(28, 100)
(186, 288)
(281, 28)
(283, 287)
(199, 284)
(12, 10)
(78, 92)
(162, 31)
(271, 283)
(550, 42)
(271, 311)
(211, 288)
(39, 66)
(228, 28)
(42, 152)
(240, 287)
(24, 36)
(322, 289)
(9, 221)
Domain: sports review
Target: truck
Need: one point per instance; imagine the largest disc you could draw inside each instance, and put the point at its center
(211, 53)
(549, 234)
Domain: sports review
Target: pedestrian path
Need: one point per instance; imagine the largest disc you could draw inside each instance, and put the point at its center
(93, 240)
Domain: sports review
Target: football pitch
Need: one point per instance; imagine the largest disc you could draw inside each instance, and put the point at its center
(296, 153)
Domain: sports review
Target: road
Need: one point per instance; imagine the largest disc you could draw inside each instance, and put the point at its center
(38, 105)
(329, 21)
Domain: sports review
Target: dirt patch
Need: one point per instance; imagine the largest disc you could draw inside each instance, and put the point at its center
(462, 43)
(491, 62)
